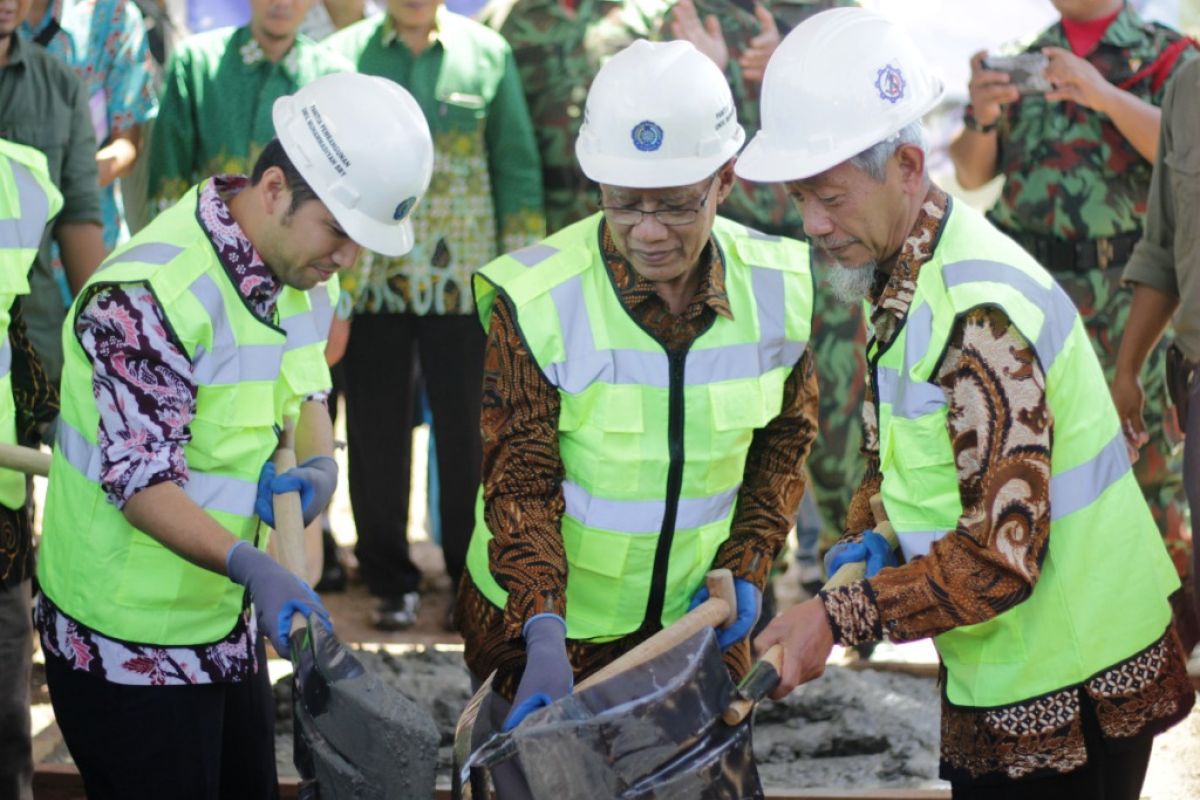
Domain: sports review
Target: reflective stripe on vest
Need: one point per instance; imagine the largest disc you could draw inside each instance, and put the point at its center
(312, 326)
(584, 365)
(211, 492)
(229, 362)
(1072, 625)
(148, 253)
(643, 517)
(25, 232)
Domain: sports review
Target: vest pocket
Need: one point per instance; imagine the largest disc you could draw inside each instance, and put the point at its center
(738, 405)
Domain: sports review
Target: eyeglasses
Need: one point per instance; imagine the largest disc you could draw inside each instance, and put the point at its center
(673, 217)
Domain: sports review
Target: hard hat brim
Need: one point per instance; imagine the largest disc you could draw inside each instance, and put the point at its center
(768, 161)
(642, 173)
(392, 239)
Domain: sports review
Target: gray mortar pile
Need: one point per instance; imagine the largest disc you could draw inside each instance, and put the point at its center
(847, 730)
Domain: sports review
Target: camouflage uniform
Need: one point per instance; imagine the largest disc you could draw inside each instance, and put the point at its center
(838, 337)
(1070, 175)
(558, 52)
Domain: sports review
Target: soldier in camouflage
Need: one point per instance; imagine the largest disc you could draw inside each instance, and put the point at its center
(739, 37)
(1077, 162)
(576, 37)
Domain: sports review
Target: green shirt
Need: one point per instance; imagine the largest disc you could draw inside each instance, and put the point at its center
(486, 194)
(558, 53)
(1069, 173)
(44, 105)
(214, 115)
(1168, 256)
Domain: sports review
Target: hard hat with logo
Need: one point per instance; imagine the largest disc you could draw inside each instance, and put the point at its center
(363, 145)
(840, 82)
(659, 114)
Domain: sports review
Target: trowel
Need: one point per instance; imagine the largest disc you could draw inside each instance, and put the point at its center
(355, 738)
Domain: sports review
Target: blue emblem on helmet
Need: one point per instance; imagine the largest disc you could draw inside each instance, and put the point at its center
(890, 83)
(402, 210)
(647, 136)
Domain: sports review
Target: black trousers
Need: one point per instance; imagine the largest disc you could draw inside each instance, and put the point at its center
(204, 742)
(1115, 770)
(379, 376)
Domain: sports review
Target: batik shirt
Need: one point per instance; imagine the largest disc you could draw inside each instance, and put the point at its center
(523, 469)
(559, 51)
(1069, 173)
(998, 425)
(215, 109)
(146, 396)
(486, 195)
(105, 42)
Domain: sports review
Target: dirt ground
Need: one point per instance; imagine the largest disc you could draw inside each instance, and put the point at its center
(849, 730)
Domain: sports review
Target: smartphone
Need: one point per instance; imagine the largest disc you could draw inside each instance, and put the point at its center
(1025, 70)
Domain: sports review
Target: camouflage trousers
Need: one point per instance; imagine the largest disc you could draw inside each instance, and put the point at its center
(1104, 305)
(835, 466)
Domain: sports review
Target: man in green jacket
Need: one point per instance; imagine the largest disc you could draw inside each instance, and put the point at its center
(214, 114)
(1030, 556)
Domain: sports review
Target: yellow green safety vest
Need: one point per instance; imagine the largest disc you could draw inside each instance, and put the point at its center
(28, 201)
(653, 442)
(1101, 595)
(94, 565)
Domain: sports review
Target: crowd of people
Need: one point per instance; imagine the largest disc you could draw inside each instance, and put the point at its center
(658, 271)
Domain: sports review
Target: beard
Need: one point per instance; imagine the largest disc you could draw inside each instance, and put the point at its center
(850, 285)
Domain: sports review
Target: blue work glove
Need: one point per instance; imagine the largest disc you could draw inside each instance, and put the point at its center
(277, 593)
(548, 674)
(749, 602)
(315, 480)
(873, 549)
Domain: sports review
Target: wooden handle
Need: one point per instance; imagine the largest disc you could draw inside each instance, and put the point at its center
(857, 570)
(739, 709)
(716, 611)
(24, 459)
(289, 518)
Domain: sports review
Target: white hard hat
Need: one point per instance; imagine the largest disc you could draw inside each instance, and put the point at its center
(839, 83)
(659, 114)
(363, 145)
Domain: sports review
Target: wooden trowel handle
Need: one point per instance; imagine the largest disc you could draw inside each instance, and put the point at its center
(289, 517)
(717, 611)
(24, 459)
(857, 570)
(740, 708)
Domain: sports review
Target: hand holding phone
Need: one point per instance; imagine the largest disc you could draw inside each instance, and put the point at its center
(1026, 71)
(990, 90)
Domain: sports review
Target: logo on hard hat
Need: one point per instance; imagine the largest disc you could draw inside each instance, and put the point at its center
(890, 83)
(403, 208)
(647, 136)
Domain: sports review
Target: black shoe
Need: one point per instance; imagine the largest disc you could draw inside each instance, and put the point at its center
(396, 613)
(333, 574)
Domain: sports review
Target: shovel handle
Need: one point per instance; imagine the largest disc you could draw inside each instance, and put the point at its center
(289, 519)
(24, 459)
(739, 708)
(717, 611)
(857, 570)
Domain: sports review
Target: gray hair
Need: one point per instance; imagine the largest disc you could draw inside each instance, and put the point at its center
(873, 160)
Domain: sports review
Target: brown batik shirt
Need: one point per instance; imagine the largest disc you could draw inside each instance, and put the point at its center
(523, 473)
(1001, 432)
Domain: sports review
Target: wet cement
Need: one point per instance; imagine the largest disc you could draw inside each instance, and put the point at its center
(848, 729)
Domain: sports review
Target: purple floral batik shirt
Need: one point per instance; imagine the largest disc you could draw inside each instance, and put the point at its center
(146, 395)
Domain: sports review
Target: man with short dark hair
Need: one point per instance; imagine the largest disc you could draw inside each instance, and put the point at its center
(185, 352)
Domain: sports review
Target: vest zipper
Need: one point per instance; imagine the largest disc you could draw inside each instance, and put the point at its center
(662, 554)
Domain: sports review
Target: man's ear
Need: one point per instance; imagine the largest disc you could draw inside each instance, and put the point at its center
(726, 178)
(274, 191)
(911, 160)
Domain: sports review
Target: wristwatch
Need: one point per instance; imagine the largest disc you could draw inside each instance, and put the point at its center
(970, 123)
